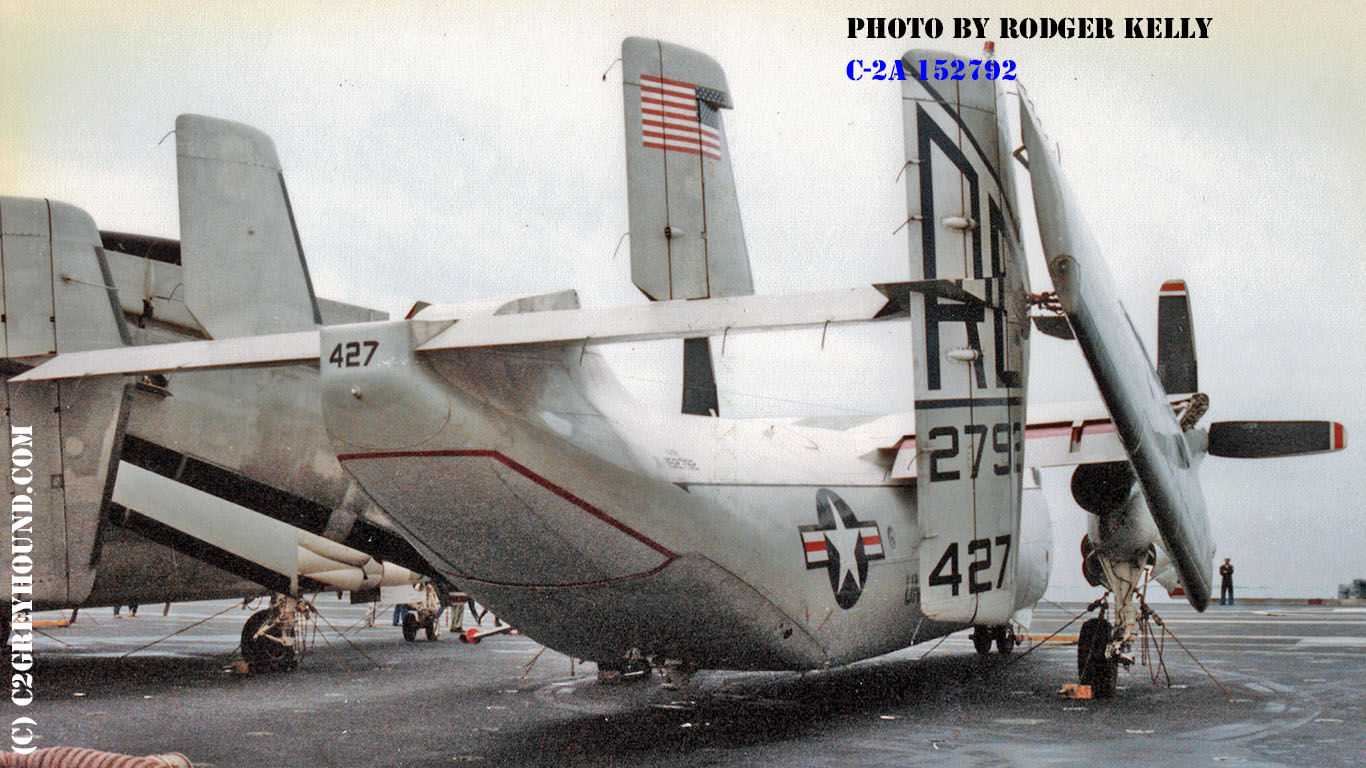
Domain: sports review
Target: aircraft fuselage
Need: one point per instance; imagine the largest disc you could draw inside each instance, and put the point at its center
(602, 529)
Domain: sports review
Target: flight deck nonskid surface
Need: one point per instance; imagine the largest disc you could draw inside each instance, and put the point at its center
(1295, 679)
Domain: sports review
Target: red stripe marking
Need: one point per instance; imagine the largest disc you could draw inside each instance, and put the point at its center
(869, 541)
(654, 79)
(815, 546)
(675, 148)
(1178, 286)
(1049, 425)
(524, 472)
(1055, 428)
(650, 106)
(679, 136)
(681, 115)
(657, 120)
(681, 146)
(680, 92)
(681, 122)
(1032, 433)
(1339, 437)
(573, 584)
(660, 129)
(669, 98)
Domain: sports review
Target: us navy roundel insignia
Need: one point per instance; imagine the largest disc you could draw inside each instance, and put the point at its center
(842, 545)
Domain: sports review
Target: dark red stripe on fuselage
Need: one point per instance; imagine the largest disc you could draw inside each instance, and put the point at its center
(524, 472)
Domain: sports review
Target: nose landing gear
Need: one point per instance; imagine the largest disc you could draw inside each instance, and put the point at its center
(1096, 667)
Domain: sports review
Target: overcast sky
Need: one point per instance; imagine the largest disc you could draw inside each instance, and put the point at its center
(445, 151)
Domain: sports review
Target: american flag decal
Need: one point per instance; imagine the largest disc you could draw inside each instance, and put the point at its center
(680, 117)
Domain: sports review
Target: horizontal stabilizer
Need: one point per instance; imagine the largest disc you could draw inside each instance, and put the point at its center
(973, 292)
(660, 320)
(668, 319)
(186, 356)
(1266, 439)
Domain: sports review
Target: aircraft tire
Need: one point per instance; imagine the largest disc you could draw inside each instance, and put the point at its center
(611, 672)
(410, 626)
(1005, 641)
(981, 640)
(1093, 668)
(264, 654)
(430, 627)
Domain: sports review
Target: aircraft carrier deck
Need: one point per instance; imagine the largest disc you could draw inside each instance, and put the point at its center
(1291, 690)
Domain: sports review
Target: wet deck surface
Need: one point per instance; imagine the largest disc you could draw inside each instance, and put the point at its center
(1291, 690)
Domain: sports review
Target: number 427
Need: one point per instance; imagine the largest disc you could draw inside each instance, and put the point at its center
(946, 573)
(348, 355)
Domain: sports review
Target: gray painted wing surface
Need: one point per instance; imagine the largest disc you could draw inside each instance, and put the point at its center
(1123, 371)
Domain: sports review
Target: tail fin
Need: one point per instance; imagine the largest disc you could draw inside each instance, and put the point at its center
(244, 266)
(1176, 365)
(687, 241)
(969, 349)
(686, 238)
(58, 293)
(58, 297)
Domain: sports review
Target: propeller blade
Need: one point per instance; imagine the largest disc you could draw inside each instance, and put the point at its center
(1264, 439)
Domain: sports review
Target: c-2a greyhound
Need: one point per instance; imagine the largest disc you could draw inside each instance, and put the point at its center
(503, 445)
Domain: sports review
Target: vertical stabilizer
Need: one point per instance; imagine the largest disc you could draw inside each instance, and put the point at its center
(244, 267)
(970, 347)
(1176, 340)
(686, 238)
(58, 294)
(687, 241)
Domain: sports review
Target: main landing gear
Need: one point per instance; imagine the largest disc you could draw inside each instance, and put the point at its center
(674, 674)
(421, 619)
(268, 637)
(424, 614)
(622, 671)
(1003, 636)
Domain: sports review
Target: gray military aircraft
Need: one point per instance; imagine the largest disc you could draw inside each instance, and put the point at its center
(196, 486)
(501, 443)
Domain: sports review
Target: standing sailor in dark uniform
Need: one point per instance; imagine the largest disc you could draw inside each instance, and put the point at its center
(1226, 586)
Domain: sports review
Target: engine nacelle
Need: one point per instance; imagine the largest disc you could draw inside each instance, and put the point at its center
(1099, 488)
(1121, 527)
